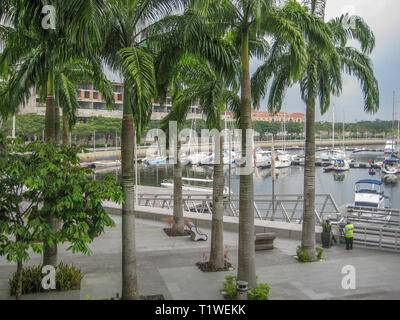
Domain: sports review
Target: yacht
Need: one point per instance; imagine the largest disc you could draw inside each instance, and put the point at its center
(155, 161)
(332, 155)
(390, 147)
(369, 193)
(390, 166)
(263, 159)
(282, 160)
(341, 165)
(193, 188)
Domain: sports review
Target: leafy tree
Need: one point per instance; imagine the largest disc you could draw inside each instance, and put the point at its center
(38, 52)
(28, 175)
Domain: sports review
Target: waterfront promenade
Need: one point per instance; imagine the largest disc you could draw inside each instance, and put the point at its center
(167, 266)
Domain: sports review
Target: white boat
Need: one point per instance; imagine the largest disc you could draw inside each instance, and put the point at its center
(341, 165)
(155, 161)
(187, 187)
(369, 193)
(390, 166)
(263, 159)
(390, 147)
(107, 163)
(333, 155)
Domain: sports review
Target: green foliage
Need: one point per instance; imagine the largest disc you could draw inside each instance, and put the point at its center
(326, 227)
(320, 253)
(261, 292)
(304, 256)
(68, 277)
(230, 286)
(42, 175)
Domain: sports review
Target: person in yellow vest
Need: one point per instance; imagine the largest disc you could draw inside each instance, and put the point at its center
(348, 233)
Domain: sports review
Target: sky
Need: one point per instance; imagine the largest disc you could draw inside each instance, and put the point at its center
(383, 18)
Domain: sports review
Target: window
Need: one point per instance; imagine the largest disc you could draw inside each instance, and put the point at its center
(95, 95)
(119, 97)
(87, 94)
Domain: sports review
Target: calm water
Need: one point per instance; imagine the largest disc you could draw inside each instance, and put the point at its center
(289, 181)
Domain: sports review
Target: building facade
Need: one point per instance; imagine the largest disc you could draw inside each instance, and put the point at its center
(92, 104)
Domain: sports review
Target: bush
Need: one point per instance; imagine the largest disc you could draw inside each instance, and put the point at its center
(230, 286)
(320, 253)
(326, 227)
(304, 256)
(67, 278)
(261, 292)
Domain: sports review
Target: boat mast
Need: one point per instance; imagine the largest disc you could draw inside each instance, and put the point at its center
(333, 127)
(398, 128)
(343, 133)
(394, 103)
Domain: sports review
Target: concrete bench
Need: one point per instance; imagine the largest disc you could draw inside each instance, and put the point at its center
(195, 233)
(264, 241)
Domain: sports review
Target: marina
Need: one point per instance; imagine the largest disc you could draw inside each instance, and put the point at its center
(339, 183)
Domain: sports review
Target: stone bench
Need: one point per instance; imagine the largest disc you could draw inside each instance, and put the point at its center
(264, 241)
(195, 233)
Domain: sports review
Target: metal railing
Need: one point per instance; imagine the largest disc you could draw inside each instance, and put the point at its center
(375, 228)
(286, 208)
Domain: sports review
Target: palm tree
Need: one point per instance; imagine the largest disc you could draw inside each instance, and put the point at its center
(214, 91)
(127, 51)
(322, 78)
(35, 52)
(249, 23)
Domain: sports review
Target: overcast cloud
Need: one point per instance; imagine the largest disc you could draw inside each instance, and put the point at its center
(384, 19)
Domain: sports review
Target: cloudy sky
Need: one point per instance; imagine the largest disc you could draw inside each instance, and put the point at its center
(383, 18)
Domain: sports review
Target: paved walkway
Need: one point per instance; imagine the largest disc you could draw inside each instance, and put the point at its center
(167, 266)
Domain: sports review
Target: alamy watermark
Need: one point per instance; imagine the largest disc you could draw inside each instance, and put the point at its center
(350, 18)
(191, 144)
(349, 280)
(49, 20)
(49, 280)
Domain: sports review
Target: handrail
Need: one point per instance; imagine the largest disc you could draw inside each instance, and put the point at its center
(287, 207)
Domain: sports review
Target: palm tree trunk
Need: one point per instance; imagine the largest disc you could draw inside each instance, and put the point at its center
(57, 125)
(246, 268)
(217, 231)
(18, 294)
(50, 254)
(129, 274)
(178, 226)
(65, 132)
(308, 233)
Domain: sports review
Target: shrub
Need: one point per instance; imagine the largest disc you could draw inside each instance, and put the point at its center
(320, 253)
(230, 286)
(68, 277)
(326, 227)
(304, 256)
(261, 292)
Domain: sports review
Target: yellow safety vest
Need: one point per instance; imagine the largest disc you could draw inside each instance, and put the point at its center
(349, 231)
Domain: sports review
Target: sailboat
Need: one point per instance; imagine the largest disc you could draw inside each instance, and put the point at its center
(334, 154)
(390, 147)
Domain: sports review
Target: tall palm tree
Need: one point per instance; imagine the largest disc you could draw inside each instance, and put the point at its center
(35, 52)
(322, 78)
(127, 51)
(211, 89)
(249, 21)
